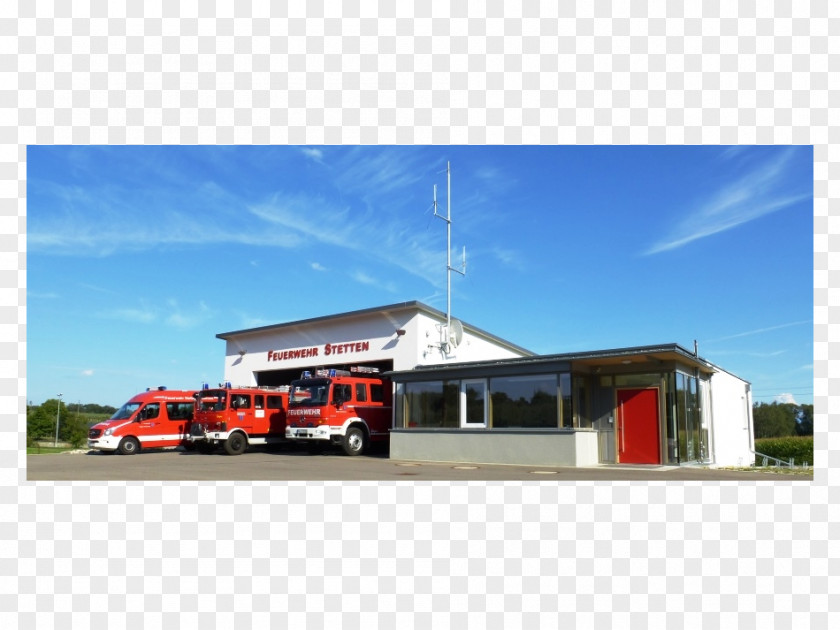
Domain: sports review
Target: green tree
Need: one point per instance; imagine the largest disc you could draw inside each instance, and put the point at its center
(93, 408)
(38, 423)
(774, 420)
(805, 420)
(72, 425)
(74, 429)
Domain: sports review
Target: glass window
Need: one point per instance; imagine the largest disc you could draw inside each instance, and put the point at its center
(310, 392)
(361, 392)
(151, 411)
(275, 402)
(377, 392)
(259, 401)
(179, 411)
(524, 402)
(688, 419)
(342, 393)
(682, 386)
(566, 393)
(637, 380)
(693, 420)
(212, 400)
(671, 419)
(126, 411)
(703, 401)
(432, 404)
(240, 401)
(583, 419)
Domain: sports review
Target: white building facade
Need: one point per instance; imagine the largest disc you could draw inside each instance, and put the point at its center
(396, 337)
(462, 394)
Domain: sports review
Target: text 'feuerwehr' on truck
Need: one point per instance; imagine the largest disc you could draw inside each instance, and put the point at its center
(351, 409)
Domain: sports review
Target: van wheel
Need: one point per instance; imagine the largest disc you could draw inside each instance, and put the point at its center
(129, 446)
(236, 444)
(354, 441)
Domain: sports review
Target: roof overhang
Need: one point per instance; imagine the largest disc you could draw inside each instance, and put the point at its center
(634, 359)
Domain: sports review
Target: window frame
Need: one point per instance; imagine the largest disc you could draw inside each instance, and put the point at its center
(464, 415)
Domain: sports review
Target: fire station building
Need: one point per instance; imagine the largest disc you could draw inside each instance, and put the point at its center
(462, 394)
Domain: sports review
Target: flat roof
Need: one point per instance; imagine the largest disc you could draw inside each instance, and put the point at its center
(400, 306)
(626, 357)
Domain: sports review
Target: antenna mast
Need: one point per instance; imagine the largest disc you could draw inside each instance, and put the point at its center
(449, 267)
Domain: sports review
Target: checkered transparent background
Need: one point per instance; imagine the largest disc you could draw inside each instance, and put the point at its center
(405, 555)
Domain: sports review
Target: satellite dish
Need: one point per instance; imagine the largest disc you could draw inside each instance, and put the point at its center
(456, 333)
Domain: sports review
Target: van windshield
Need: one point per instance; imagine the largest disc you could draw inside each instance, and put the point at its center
(310, 392)
(126, 411)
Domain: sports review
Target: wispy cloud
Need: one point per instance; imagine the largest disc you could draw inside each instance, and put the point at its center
(761, 191)
(97, 289)
(509, 258)
(313, 154)
(363, 203)
(363, 278)
(734, 152)
(316, 266)
(107, 220)
(247, 320)
(759, 331)
(381, 172)
(493, 179)
(172, 315)
(744, 353)
(190, 318)
(143, 315)
(317, 219)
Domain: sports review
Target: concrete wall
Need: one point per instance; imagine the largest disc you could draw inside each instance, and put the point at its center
(497, 446)
(732, 421)
(425, 333)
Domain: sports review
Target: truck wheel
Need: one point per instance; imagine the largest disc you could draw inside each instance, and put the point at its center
(236, 444)
(129, 446)
(354, 441)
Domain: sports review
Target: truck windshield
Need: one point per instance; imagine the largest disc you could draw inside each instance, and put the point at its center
(126, 411)
(211, 400)
(311, 392)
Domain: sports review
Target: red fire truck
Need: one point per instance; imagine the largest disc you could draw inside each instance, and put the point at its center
(347, 408)
(152, 419)
(237, 417)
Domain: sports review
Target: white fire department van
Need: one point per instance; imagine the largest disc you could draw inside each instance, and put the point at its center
(152, 419)
(236, 417)
(351, 409)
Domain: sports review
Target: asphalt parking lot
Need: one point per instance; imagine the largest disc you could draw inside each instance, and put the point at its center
(295, 465)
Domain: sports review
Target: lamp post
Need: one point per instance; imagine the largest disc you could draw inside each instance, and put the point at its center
(57, 414)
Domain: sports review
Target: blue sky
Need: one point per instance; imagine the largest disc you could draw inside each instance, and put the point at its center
(137, 256)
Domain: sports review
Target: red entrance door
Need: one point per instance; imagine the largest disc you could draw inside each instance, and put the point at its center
(638, 426)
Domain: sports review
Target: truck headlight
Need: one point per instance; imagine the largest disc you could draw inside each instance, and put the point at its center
(108, 432)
